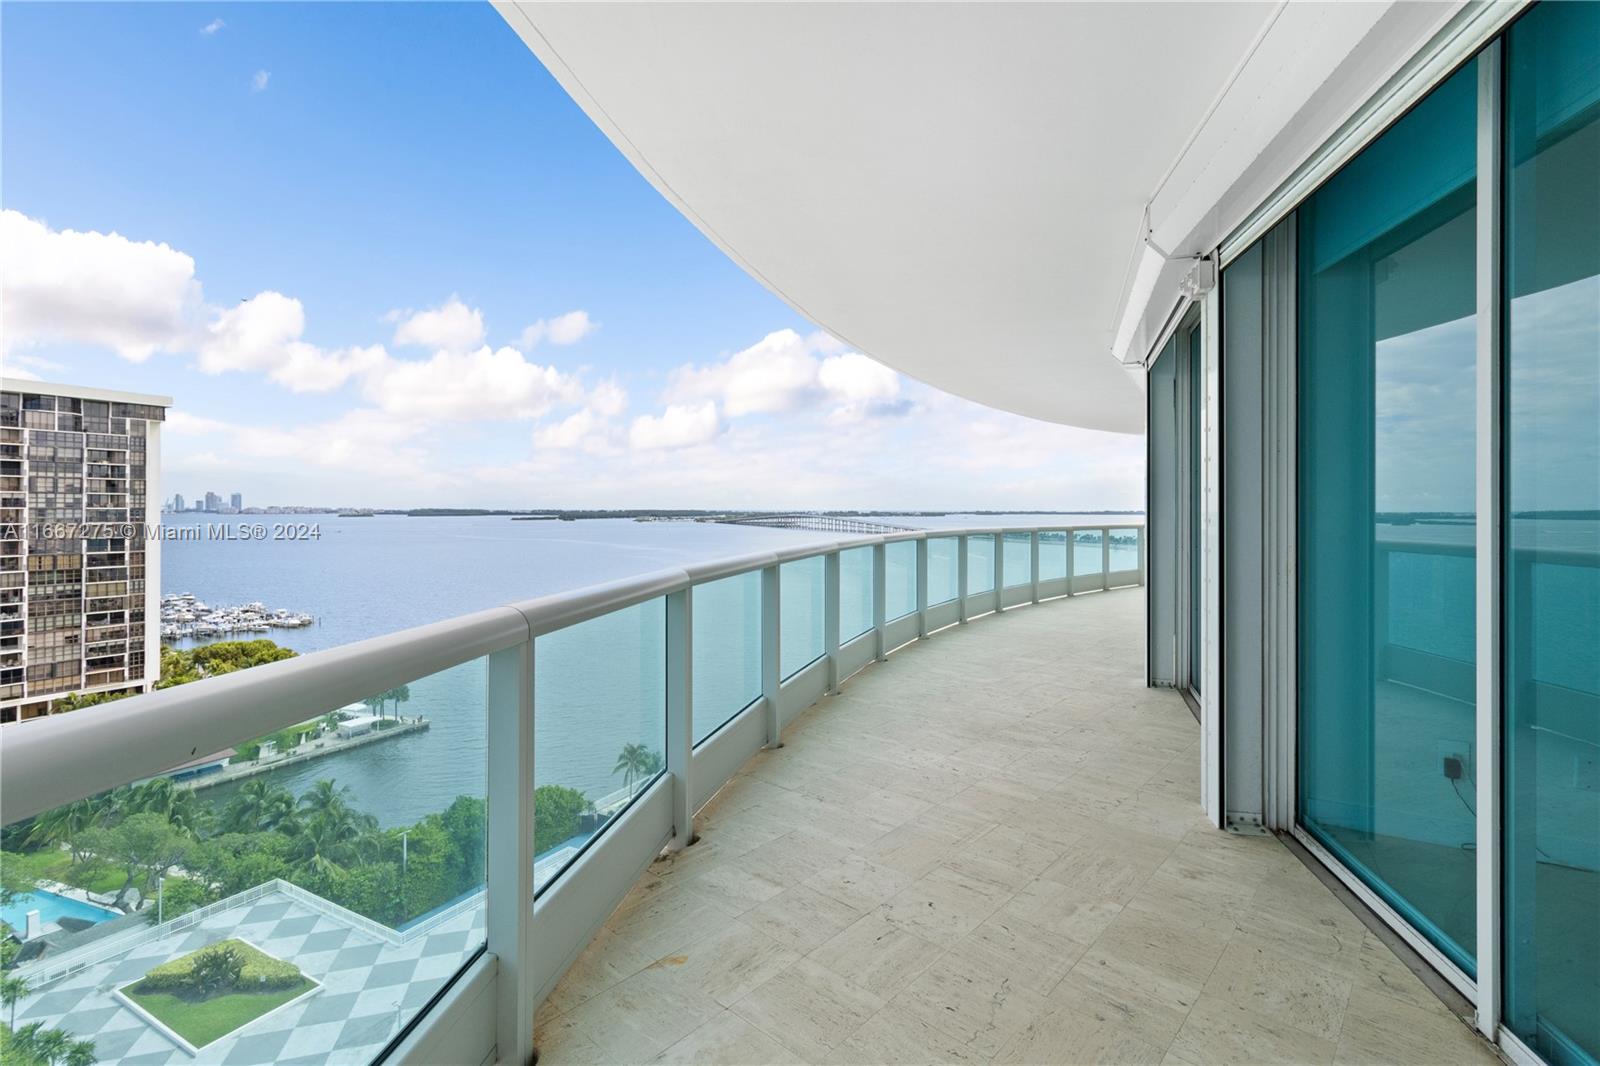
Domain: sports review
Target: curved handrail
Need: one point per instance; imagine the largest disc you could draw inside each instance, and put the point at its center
(51, 761)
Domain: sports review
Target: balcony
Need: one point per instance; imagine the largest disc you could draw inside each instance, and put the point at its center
(915, 838)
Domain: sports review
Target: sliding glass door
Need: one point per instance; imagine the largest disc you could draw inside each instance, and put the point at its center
(1387, 350)
(1552, 531)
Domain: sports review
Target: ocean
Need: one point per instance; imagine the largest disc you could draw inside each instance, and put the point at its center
(598, 687)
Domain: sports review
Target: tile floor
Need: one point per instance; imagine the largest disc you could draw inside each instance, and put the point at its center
(990, 849)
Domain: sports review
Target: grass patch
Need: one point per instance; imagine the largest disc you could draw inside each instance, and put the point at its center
(206, 1020)
(55, 864)
(180, 996)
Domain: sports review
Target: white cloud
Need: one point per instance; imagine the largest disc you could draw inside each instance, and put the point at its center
(259, 82)
(569, 328)
(679, 426)
(608, 398)
(782, 372)
(481, 385)
(453, 327)
(262, 334)
(134, 297)
(185, 422)
(210, 28)
(778, 373)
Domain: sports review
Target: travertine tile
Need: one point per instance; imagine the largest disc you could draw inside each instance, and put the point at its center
(727, 964)
(1037, 957)
(1277, 986)
(978, 1005)
(1378, 1028)
(1219, 1031)
(1149, 1001)
(801, 918)
(897, 1036)
(726, 1040)
(859, 882)
(989, 847)
(1064, 1035)
(878, 955)
(944, 906)
(809, 1009)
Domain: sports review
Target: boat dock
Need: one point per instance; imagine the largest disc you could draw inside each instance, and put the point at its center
(329, 744)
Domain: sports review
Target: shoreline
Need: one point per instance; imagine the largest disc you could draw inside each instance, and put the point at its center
(319, 748)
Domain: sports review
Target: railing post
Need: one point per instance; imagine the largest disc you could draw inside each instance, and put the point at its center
(1105, 559)
(880, 596)
(770, 647)
(830, 617)
(999, 572)
(922, 588)
(961, 578)
(680, 713)
(510, 734)
(1072, 553)
(1033, 562)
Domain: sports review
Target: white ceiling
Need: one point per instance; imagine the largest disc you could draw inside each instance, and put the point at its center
(956, 190)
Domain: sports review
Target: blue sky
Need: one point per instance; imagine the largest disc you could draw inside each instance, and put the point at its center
(261, 210)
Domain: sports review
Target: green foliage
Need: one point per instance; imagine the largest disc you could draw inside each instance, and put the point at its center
(34, 1045)
(180, 895)
(556, 813)
(637, 763)
(144, 845)
(211, 660)
(218, 968)
(15, 879)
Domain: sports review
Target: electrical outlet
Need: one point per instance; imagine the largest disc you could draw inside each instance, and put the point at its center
(1454, 760)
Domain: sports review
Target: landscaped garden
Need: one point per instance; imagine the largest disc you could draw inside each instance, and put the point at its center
(208, 993)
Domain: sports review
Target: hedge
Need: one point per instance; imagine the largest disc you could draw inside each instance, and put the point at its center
(261, 972)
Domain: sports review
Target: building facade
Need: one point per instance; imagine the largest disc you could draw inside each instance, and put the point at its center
(79, 568)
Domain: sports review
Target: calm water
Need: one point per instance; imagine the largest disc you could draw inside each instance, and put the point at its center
(598, 686)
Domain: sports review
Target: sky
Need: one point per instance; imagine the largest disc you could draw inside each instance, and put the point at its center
(377, 257)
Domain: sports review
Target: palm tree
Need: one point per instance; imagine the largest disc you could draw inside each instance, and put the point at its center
(400, 694)
(181, 808)
(51, 1045)
(258, 806)
(62, 825)
(12, 989)
(636, 763)
(80, 1053)
(325, 796)
(328, 840)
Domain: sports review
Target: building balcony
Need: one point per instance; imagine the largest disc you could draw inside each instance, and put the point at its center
(889, 798)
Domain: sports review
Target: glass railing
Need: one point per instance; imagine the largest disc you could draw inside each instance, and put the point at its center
(980, 563)
(944, 569)
(327, 873)
(1017, 562)
(727, 649)
(900, 581)
(1088, 552)
(855, 592)
(801, 588)
(602, 739)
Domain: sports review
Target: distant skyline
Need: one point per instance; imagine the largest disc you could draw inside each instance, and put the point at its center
(378, 258)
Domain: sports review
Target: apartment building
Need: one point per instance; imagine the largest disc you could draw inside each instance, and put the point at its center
(79, 577)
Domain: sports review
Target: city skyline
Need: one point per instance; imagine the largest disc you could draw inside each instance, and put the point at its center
(537, 328)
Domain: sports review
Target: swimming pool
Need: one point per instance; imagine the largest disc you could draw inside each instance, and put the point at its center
(52, 908)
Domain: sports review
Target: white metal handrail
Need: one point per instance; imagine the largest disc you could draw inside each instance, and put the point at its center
(60, 759)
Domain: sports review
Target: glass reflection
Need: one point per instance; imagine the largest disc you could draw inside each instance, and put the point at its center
(1387, 498)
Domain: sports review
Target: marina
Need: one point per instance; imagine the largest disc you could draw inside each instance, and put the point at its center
(185, 617)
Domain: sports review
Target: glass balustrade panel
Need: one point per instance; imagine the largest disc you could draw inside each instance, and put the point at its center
(1052, 555)
(980, 564)
(320, 883)
(1088, 555)
(900, 562)
(600, 727)
(1125, 550)
(944, 569)
(800, 634)
(855, 593)
(1018, 560)
(727, 650)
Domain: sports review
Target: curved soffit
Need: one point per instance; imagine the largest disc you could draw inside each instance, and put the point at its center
(952, 189)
